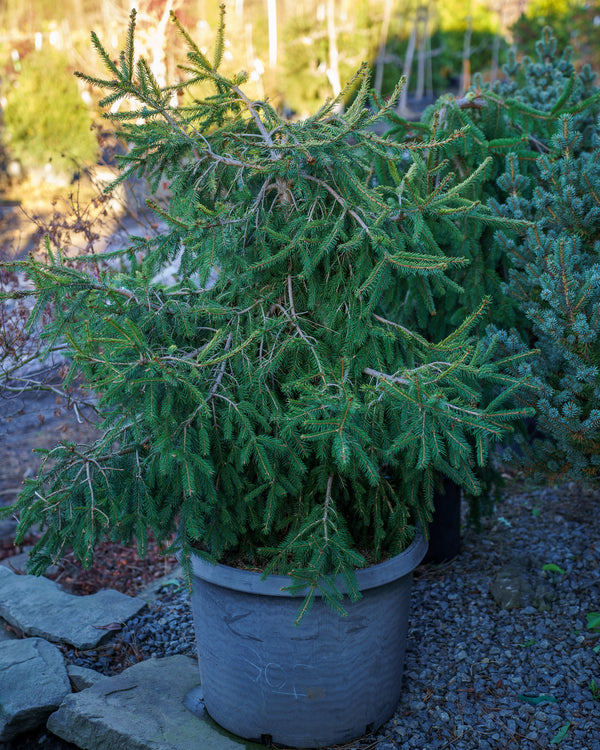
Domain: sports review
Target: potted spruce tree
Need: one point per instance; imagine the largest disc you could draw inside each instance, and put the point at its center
(262, 404)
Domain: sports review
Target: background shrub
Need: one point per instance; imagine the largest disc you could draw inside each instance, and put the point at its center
(45, 118)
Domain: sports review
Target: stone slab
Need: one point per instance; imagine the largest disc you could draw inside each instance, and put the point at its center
(39, 607)
(18, 563)
(33, 683)
(142, 709)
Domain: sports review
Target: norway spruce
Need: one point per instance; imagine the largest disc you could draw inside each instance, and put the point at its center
(264, 404)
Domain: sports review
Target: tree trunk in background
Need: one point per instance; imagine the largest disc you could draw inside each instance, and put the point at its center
(430, 55)
(408, 59)
(422, 18)
(465, 78)
(158, 63)
(255, 67)
(333, 71)
(272, 17)
(383, 37)
(496, 44)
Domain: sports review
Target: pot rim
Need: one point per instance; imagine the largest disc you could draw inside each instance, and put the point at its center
(250, 581)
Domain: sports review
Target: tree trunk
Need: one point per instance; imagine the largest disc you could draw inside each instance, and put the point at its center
(422, 18)
(272, 16)
(408, 59)
(496, 43)
(383, 37)
(255, 67)
(333, 71)
(430, 55)
(465, 78)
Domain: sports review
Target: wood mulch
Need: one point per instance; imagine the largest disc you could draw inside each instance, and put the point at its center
(115, 566)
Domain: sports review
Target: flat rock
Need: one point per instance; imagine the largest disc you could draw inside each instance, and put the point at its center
(39, 607)
(33, 683)
(142, 709)
(18, 563)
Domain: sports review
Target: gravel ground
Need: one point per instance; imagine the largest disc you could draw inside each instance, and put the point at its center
(477, 676)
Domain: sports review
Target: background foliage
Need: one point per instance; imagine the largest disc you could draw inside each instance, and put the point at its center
(44, 116)
(296, 74)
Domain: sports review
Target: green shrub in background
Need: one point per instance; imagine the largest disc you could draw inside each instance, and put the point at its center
(573, 22)
(45, 119)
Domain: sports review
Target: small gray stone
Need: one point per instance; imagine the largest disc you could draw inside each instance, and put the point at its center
(33, 682)
(39, 607)
(509, 588)
(543, 596)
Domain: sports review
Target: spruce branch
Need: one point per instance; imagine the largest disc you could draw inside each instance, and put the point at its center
(339, 199)
(391, 378)
(326, 506)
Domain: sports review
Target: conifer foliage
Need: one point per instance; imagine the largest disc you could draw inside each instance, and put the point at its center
(264, 405)
(516, 115)
(538, 129)
(555, 276)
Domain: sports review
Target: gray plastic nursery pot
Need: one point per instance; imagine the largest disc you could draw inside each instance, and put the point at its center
(326, 681)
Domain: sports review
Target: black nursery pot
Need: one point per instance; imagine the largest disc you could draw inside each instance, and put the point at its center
(444, 530)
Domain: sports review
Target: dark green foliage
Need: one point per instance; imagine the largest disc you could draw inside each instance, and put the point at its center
(268, 405)
(45, 118)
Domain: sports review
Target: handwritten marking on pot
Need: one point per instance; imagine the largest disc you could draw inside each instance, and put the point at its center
(280, 682)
